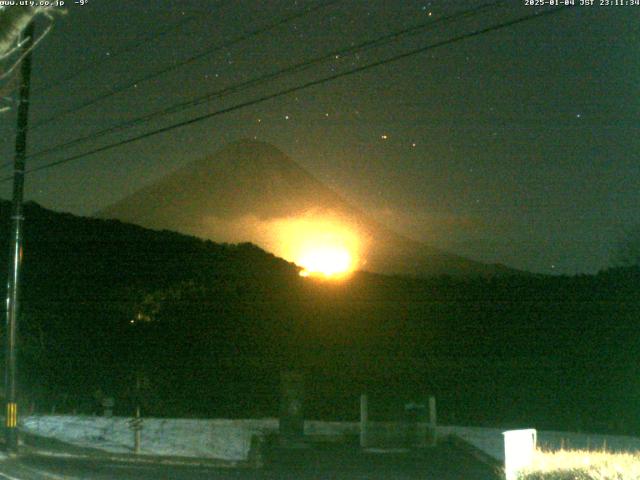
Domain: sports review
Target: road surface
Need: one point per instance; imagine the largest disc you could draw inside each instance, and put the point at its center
(328, 462)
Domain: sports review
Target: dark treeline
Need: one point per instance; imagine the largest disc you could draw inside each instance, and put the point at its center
(207, 329)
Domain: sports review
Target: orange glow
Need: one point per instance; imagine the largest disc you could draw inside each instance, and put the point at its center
(322, 246)
(326, 261)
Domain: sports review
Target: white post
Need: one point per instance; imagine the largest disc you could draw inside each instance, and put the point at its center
(364, 418)
(519, 449)
(433, 420)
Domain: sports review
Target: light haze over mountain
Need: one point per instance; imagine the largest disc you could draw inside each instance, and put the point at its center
(250, 191)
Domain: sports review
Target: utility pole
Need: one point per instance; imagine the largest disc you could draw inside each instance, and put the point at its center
(13, 282)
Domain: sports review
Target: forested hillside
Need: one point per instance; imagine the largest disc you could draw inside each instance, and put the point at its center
(207, 328)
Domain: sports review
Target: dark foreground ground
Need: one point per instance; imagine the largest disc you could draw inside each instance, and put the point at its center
(326, 462)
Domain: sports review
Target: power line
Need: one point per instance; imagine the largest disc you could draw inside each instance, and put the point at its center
(134, 44)
(301, 87)
(379, 41)
(187, 61)
(306, 85)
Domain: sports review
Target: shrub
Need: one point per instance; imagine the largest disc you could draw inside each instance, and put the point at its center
(583, 465)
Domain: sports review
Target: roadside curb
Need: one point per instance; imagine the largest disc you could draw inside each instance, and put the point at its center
(51, 447)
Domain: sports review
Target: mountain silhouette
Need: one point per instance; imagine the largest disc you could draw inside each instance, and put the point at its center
(250, 191)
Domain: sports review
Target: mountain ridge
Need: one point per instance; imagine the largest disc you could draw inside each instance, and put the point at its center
(236, 193)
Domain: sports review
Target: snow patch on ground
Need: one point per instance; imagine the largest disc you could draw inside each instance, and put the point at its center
(231, 439)
(204, 438)
(220, 439)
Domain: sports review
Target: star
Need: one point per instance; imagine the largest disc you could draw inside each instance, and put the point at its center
(384, 137)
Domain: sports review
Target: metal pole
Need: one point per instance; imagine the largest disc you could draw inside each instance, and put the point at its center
(13, 282)
(433, 421)
(136, 434)
(364, 421)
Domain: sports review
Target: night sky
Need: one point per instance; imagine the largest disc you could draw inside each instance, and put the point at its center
(517, 146)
